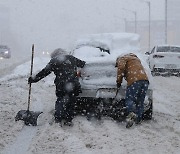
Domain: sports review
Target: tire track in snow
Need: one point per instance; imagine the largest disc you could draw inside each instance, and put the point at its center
(22, 142)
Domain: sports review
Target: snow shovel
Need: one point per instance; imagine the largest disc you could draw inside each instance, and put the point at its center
(115, 97)
(29, 117)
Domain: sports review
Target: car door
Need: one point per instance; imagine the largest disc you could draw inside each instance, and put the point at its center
(150, 58)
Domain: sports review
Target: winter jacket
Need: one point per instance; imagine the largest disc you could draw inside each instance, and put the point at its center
(129, 66)
(65, 69)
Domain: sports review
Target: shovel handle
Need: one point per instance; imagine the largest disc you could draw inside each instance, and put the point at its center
(32, 58)
(114, 99)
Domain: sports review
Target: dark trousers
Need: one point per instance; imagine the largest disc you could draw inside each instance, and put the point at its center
(66, 93)
(64, 108)
(135, 95)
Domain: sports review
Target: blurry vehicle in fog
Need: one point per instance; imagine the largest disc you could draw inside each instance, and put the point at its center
(164, 60)
(45, 53)
(5, 52)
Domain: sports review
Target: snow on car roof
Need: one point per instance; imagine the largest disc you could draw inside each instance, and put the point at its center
(111, 41)
(116, 43)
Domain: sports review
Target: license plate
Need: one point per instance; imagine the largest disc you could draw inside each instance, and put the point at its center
(106, 93)
(110, 92)
(170, 66)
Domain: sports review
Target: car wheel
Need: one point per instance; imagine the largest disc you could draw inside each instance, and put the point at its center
(153, 73)
(178, 75)
(148, 114)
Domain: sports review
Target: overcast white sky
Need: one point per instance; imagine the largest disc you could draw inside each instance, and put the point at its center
(56, 23)
(157, 6)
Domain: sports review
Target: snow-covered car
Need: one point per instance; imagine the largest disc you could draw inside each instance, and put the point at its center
(98, 77)
(164, 59)
(5, 51)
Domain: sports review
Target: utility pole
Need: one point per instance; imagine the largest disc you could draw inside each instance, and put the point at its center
(149, 5)
(135, 14)
(165, 21)
(135, 19)
(125, 25)
(149, 25)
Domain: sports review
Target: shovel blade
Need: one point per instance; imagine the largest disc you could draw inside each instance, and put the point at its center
(29, 117)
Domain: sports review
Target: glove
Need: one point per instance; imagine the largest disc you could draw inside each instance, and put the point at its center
(78, 73)
(118, 85)
(30, 80)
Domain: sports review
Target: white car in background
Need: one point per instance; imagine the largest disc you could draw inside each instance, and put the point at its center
(5, 52)
(164, 59)
(98, 77)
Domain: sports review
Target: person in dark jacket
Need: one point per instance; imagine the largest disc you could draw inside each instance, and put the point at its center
(67, 83)
(129, 67)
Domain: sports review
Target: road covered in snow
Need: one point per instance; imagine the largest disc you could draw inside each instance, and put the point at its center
(160, 135)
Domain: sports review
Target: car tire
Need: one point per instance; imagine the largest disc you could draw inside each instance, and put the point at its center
(153, 73)
(148, 114)
(178, 75)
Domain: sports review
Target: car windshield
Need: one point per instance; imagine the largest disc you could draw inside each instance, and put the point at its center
(168, 49)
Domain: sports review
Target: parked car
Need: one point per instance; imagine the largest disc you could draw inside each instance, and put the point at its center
(5, 51)
(164, 59)
(98, 77)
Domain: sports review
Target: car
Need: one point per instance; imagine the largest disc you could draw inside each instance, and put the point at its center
(99, 95)
(164, 60)
(46, 53)
(5, 51)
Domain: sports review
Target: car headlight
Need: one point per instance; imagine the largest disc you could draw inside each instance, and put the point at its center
(6, 52)
(45, 53)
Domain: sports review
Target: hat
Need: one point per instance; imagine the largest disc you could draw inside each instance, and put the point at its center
(57, 52)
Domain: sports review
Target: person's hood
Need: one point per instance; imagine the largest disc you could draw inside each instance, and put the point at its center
(58, 52)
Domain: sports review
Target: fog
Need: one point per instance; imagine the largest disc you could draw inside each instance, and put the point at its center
(50, 24)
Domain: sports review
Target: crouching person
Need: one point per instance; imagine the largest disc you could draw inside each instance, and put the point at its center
(129, 67)
(67, 83)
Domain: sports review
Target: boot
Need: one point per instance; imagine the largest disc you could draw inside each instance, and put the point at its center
(130, 120)
(138, 121)
(68, 123)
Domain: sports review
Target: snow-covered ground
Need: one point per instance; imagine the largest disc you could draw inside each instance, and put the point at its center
(160, 135)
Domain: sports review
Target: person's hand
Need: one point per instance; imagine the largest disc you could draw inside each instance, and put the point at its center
(78, 73)
(118, 85)
(30, 80)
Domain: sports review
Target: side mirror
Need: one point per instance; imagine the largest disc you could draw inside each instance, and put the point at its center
(147, 53)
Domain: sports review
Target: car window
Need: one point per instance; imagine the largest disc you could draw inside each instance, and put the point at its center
(168, 49)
